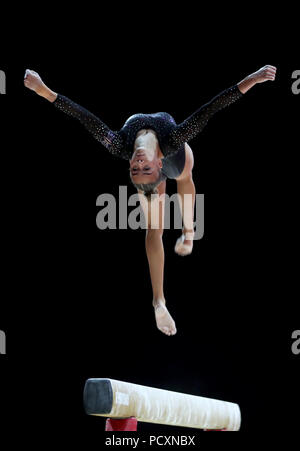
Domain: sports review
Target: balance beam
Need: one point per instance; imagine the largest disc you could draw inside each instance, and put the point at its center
(123, 400)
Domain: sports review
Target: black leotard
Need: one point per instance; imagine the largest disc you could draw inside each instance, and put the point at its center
(173, 165)
(171, 137)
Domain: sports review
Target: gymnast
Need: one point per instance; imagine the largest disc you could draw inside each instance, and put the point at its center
(157, 149)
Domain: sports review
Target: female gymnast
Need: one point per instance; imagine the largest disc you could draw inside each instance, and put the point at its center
(157, 149)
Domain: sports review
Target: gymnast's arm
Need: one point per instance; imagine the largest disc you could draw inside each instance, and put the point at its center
(100, 131)
(195, 123)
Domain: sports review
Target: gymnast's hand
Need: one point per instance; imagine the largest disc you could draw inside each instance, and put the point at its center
(33, 81)
(265, 73)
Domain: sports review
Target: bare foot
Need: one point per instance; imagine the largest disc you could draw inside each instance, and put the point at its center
(164, 320)
(184, 244)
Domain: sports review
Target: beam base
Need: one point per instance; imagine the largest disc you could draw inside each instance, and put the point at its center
(121, 424)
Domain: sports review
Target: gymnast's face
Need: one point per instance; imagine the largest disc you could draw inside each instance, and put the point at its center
(145, 163)
(144, 168)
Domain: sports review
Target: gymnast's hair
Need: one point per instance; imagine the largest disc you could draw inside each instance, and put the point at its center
(149, 189)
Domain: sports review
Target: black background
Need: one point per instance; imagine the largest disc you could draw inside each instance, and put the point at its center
(77, 300)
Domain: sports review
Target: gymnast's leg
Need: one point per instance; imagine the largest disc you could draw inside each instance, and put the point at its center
(154, 214)
(186, 192)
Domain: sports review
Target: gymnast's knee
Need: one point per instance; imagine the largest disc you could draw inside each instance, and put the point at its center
(188, 177)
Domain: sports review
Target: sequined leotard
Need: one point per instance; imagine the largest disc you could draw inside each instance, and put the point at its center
(171, 137)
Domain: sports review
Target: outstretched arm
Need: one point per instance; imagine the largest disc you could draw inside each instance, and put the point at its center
(101, 132)
(195, 123)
